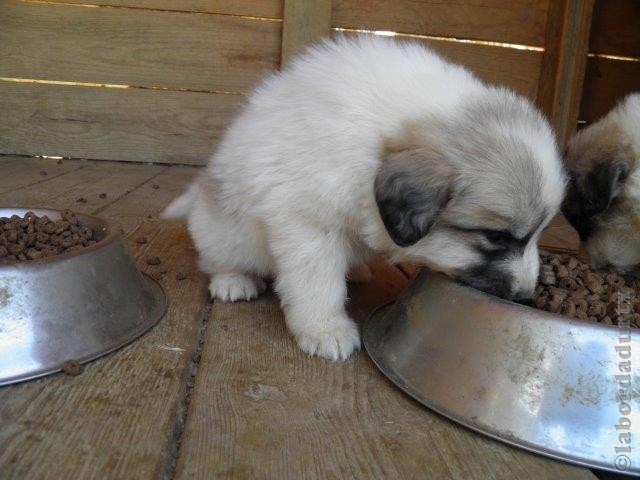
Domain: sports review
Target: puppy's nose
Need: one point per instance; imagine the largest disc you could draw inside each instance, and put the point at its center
(524, 296)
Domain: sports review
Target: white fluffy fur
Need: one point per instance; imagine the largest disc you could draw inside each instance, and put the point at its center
(289, 194)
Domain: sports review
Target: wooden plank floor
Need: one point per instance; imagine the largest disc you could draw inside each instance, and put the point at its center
(220, 390)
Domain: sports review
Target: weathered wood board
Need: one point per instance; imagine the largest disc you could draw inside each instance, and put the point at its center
(253, 8)
(136, 47)
(519, 21)
(116, 124)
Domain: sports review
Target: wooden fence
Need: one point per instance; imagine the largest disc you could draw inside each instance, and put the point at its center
(158, 80)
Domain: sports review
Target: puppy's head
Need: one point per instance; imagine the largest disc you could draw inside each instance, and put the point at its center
(469, 194)
(603, 198)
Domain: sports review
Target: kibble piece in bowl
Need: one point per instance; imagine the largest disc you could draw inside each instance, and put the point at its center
(32, 237)
(569, 287)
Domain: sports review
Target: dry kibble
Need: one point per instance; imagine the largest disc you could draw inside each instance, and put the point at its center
(581, 315)
(614, 280)
(546, 268)
(567, 308)
(568, 284)
(569, 287)
(547, 279)
(582, 305)
(555, 291)
(593, 285)
(540, 302)
(180, 276)
(103, 195)
(141, 240)
(31, 237)
(596, 309)
(562, 271)
(554, 303)
(572, 263)
(153, 261)
(72, 368)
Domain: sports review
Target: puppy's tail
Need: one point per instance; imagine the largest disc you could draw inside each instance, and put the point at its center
(179, 207)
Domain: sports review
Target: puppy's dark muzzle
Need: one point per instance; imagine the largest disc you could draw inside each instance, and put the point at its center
(491, 281)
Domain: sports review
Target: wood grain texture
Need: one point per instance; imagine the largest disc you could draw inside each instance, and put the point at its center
(519, 21)
(14, 176)
(606, 82)
(564, 63)
(559, 236)
(112, 124)
(135, 47)
(260, 408)
(305, 22)
(87, 180)
(118, 419)
(616, 28)
(256, 8)
(517, 69)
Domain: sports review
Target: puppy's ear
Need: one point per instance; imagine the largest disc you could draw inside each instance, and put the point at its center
(411, 188)
(591, 193)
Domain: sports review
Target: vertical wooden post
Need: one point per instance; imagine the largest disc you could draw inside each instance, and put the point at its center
(305, 21)
(564, 63)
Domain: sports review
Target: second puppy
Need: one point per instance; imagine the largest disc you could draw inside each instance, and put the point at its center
(603, 199)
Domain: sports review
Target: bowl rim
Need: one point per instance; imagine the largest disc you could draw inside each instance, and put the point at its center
(94, 222)
(471, 292)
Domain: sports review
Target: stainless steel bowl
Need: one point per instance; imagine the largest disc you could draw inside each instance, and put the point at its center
(539, 381)
(74, 306)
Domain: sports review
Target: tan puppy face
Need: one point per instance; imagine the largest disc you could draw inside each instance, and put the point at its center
(603, 198)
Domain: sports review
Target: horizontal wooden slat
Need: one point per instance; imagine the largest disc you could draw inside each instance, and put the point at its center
(512, 21)
(256, 8)
(304, 23)
(606, 82)
(616, 28)
(135, 47)
(517, 69)
(116, 124)
(559, 236)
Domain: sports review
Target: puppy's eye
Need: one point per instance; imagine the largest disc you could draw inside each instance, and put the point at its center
(499, 237)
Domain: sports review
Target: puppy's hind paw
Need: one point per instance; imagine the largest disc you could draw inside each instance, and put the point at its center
(232, 287)
(338, 343)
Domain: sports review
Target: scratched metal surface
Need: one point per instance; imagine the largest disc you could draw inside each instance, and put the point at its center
(557, 386)
(74, 306)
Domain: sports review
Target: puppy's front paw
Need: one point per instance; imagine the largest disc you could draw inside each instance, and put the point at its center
(336, 343)
(231, 287)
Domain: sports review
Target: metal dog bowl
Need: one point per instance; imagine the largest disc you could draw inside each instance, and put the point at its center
(74, 306)
(539, 381)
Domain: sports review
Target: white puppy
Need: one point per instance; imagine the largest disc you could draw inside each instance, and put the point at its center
(371, 146)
